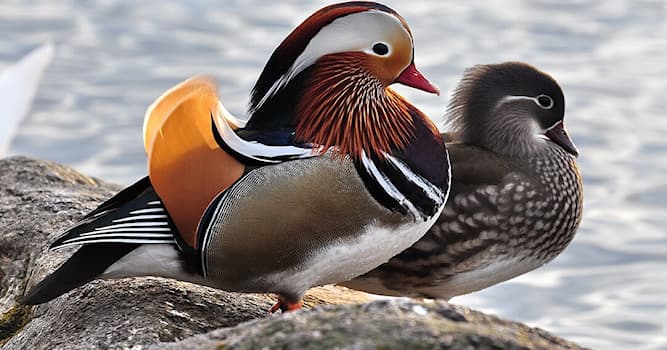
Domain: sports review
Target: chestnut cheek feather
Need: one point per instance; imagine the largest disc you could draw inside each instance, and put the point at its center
(345, 106)
(377, 67)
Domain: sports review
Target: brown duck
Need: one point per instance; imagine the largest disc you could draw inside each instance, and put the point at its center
(516, 195)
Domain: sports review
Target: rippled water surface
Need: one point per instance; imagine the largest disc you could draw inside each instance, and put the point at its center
(607, 291)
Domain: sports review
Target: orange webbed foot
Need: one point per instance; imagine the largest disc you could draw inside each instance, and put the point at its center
(285, 306)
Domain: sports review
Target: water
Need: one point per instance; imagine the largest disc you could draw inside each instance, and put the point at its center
(606, 291)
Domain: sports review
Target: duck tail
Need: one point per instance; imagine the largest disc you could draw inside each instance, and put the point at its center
(84, 266)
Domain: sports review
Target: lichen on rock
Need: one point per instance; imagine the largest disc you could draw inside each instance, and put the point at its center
(12, 321)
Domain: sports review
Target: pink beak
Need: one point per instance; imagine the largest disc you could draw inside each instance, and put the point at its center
(413, 78)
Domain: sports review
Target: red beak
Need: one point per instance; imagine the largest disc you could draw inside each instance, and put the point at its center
(413, 78)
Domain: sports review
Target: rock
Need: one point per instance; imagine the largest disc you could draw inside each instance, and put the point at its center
(382, 324)
(39, 199)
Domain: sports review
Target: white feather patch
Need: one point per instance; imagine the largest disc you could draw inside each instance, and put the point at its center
(255, 150)
(341, 35)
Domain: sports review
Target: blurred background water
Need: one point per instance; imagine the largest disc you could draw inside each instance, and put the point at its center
(607, 291)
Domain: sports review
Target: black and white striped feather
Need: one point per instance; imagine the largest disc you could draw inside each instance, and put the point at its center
(135, 215)
(398, 187)
(253, 152)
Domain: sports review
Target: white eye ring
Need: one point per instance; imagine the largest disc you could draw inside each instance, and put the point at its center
(544, 101)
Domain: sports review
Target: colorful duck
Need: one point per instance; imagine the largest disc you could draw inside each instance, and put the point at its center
(332, 175)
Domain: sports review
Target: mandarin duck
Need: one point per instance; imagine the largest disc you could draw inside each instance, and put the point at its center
(332, 174)
(516, 196)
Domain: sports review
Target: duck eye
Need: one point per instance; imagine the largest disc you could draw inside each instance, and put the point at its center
(380, 49)
(545, 101)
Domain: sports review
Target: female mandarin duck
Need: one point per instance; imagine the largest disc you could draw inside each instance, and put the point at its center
(333, 174)
(516, 197)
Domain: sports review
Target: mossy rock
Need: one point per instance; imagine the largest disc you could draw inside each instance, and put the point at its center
(13, 321)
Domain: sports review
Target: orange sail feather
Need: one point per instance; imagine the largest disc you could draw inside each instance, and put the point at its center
(186, 166)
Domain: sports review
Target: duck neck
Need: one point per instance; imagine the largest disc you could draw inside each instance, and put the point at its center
(347, 107)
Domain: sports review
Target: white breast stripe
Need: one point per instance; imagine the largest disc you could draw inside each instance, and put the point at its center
(432, 191)
(388, 186)
(154, 203)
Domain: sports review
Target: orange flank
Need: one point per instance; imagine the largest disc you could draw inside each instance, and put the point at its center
(186, 166)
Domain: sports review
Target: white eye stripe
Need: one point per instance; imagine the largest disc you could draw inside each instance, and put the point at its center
(354, 32)
(513, 98)
(536, 100)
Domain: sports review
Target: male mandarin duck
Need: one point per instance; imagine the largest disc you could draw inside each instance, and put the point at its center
(332, 175)
(516, 196)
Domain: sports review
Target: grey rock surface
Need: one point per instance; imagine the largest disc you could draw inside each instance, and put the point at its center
(398, 324)
(39, 199)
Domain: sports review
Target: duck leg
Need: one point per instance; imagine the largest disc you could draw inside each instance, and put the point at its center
(285, 306)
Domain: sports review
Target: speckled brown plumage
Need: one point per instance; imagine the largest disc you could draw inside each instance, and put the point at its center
(528, 211)
(507, 213)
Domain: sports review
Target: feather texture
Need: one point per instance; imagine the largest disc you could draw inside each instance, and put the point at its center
(135, 215)
(345, 106)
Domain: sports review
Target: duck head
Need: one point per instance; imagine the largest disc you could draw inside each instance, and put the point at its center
(328, 80)
(510, 108)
